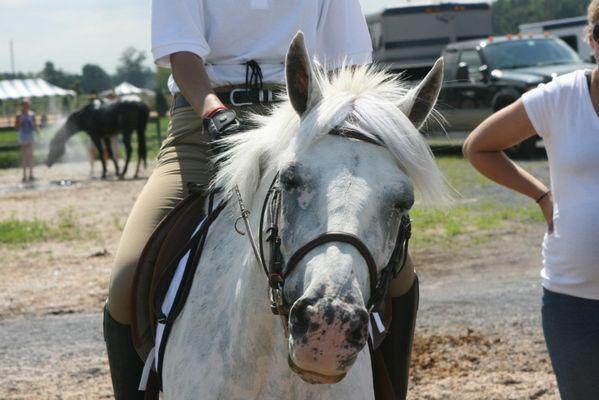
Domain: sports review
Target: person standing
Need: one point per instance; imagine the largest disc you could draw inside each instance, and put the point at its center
(565, 113)
(26, 125)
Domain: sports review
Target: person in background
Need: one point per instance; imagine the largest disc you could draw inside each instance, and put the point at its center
(26, 125)
(565, 113)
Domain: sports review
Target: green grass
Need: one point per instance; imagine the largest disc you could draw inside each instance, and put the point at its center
(15, 231)
(460, 174)
(435, 226)
(484, 209)
(65, 226)
(8, 137)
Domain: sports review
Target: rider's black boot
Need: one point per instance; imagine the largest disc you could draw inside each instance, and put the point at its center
(396, 348)
(125, 365)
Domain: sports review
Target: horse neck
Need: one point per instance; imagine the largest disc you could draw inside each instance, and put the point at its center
(69, 132)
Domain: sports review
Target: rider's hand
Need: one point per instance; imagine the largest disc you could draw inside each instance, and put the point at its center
(221, 124)
(546, 204)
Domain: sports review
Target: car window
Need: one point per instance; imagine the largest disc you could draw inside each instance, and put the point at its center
(472, 58)
(529, 53)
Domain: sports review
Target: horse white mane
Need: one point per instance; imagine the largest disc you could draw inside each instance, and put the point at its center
(366, 99)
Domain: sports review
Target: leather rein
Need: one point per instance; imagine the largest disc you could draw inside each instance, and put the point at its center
(277, 270)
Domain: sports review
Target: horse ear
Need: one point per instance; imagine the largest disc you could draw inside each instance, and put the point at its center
(421, 100)
(299, 76)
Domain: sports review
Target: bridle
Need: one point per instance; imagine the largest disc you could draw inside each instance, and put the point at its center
(277, 269)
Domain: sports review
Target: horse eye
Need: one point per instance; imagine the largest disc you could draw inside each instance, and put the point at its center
(291, 182)
(403, 205)
(290, 179)
(398, 207)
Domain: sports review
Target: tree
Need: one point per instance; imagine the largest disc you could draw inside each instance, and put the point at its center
(76, 86)
(50, 73)
(509, 14)
(17, 75)
(132, 69)
(58, 77)
(94, 79)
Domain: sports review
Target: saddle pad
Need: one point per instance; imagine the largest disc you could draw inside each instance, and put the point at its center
(162, 247)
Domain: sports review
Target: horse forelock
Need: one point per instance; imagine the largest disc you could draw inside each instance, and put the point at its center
(366, 99)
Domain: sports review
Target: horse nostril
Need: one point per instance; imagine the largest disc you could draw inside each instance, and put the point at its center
(358, 329)
(300, 316)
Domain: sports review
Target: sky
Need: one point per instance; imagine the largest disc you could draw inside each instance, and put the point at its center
(72, 33)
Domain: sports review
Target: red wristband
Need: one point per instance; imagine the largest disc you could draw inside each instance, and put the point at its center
(211, 113)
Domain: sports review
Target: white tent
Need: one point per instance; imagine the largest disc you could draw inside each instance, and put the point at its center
(23, 88)
(126, 88)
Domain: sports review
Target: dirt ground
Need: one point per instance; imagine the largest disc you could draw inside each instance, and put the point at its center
(478, 334)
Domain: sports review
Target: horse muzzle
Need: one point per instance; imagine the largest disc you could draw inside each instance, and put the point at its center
(326, 336)
(314, 377)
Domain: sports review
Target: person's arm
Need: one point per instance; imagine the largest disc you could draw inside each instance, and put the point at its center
(484, 149)
(17, 122)
(193, 81)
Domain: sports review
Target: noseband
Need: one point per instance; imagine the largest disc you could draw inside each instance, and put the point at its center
(277, 270)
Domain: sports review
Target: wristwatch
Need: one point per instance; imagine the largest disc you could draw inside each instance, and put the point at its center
(220, 124)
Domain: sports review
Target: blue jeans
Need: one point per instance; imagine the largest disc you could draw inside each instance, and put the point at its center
(571, 328)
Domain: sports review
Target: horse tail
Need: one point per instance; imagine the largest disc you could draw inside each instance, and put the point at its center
(142, 122)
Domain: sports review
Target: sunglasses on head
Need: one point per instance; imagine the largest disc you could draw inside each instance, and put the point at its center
(596, 32)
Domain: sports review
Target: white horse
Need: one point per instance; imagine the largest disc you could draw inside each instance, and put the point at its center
(226, 344)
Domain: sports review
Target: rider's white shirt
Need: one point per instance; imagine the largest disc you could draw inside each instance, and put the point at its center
(563, 115)
(228, 33)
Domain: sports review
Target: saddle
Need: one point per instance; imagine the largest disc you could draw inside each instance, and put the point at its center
(156, 266)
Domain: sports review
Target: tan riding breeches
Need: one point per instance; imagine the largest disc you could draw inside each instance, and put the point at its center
(183, 159)
(404, 280)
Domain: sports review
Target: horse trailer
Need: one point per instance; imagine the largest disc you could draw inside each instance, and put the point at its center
(570, 30)
(411, 37)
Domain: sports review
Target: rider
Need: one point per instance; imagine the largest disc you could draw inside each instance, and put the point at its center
(226, 59)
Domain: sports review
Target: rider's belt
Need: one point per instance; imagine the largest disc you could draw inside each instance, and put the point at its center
(236, 97)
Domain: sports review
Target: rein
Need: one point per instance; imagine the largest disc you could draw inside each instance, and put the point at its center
(277, 270)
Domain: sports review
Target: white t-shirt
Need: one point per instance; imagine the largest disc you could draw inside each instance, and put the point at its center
(228, 33)
(563, 115)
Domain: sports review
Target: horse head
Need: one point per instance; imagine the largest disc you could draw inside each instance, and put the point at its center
(346, 158)
(347, 185)
(72, 125)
